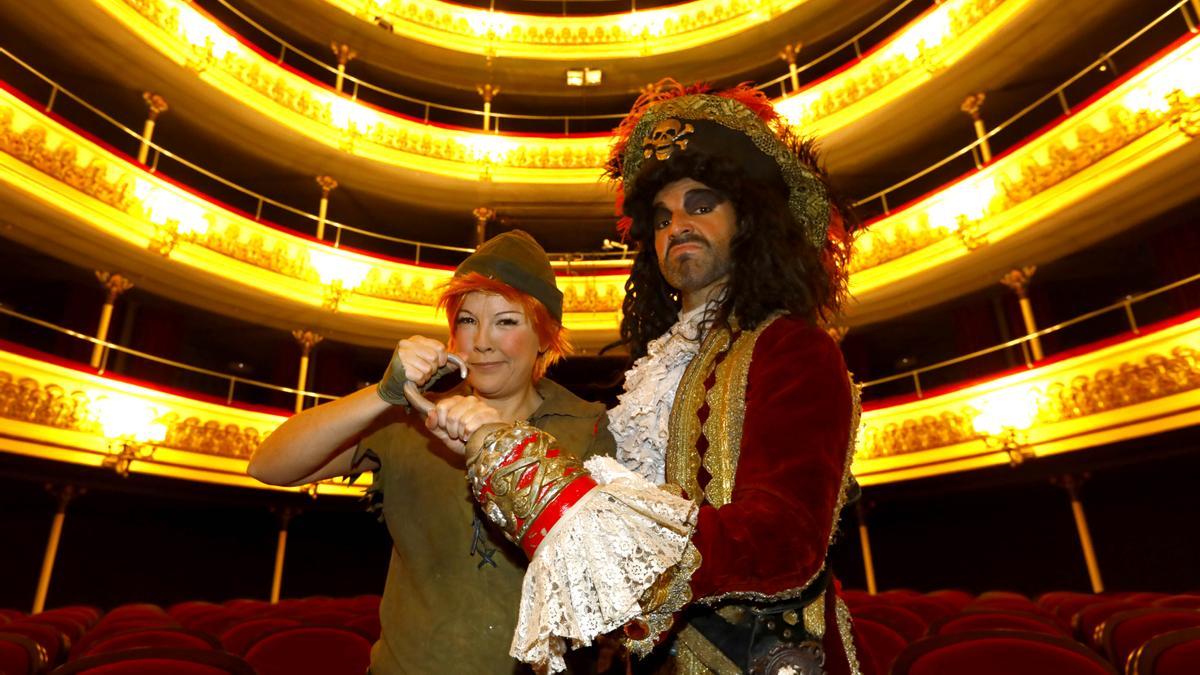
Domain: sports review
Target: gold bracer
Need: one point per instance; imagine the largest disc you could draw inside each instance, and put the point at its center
(523, 481)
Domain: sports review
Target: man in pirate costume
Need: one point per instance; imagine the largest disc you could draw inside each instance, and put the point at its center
(739, 397)
(739, 402)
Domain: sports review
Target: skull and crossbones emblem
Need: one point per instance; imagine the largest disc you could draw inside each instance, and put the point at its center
(667, 135)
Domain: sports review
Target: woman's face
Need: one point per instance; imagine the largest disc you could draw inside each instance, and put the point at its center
(499, 344)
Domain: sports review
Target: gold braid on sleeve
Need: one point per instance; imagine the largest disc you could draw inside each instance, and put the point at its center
(523, 481)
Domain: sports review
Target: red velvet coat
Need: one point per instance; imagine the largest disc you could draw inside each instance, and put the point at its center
(772, 537)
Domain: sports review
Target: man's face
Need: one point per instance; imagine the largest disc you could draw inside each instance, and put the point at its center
(693, 225)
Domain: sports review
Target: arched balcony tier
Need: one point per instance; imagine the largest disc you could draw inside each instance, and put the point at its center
(1112, 164)
(278, 97)
(1124, 388)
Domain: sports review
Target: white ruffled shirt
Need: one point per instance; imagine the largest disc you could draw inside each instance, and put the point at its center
(639, 421)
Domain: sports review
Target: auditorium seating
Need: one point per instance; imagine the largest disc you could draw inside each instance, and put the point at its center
(20, 656)
(1080, 629)
(1173, 653)
(331, 650)
(901, 632)
(1122, 633)
(1000, 652)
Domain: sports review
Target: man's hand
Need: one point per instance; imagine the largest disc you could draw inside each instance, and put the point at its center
(417, 359)
(455, 418)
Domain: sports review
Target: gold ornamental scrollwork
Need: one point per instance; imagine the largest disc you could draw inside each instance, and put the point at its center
(1130, 383)
(1184, 113)
(26, 400)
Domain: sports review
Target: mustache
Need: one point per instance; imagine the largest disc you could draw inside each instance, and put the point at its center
(686, 238)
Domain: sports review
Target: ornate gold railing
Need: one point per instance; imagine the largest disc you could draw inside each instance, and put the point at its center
(1126, 307)
(1141, 386)
(941, 37)
(430, 110)
(1149, 115)
(1145, 385)
(606, 36)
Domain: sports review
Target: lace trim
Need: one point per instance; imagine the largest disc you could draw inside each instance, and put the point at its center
(845, 631)
(639, 422)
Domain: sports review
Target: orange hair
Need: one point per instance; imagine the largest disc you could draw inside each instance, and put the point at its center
(549, 332)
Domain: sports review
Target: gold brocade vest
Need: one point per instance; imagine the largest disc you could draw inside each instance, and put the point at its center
(725, 353)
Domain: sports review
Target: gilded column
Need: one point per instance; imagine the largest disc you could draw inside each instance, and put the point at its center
(1018, 281)
(307, 339)
(157, 105)
(285, 516)
(115, 284)
(483, 216)
(64, 495)
(328, 184)
(971, 106)
(1072, 484)
(344, 55)
(789, 54)
(488, 92)
(864, 538)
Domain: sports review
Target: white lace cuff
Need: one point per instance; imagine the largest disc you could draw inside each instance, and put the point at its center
(589, 574)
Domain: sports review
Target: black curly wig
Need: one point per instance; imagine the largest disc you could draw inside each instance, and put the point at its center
(774, 266)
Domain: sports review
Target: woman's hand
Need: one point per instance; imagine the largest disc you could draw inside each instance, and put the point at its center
(415, 359)
(455, 418)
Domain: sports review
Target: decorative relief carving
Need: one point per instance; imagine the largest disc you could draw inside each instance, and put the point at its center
(1154, 377)
(30, 146)
(857, 87)
(1184, 113)
(26, 400)
(564, 31)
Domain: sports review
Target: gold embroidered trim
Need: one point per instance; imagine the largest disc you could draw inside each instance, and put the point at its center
(668, 595)
(814, 617)
(727, 413)
(844, 625)
(843, 491)
(697, 656)
(683, 429)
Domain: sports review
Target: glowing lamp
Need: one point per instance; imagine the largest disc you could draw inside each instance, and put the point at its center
(129, 419)
(338, 270)
(1005, 411)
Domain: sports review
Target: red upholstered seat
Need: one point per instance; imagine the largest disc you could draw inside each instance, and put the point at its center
(20, 656)
(931, 609)
(183, 611)
(10, 615)
(1064, 604)
(986, 619)
(71, 626)
(134, 610)
(107, 627)
(85, 614)
(880, 645)
(907, 624)
(1087, 620)
(214, 623)
(1122, 633)
(1174, 653)
(159, 661)
(150, 637)
(237, 638)
(1006, 602)
(1185, 601)
(325, 617)
(328, 650)
(48, 637)
(999, 653)
(854, 597)
(367, 624)
(955, 597)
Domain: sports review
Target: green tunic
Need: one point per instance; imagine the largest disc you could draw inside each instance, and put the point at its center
(450, 603)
